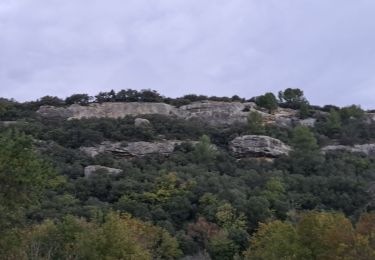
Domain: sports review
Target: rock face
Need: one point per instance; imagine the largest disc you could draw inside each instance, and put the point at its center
(211, 112)
(8, 123)
(51, 111)
(119, 110)
(133, 149)
(366, 149)
(309, 122)
(108, 110)
(217, 113)
(258, 146)
(142, 123)
(91, 169)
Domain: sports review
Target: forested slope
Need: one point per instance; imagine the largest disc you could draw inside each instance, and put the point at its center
(226, 178)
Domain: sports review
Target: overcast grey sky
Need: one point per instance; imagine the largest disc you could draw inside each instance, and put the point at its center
(213, 47)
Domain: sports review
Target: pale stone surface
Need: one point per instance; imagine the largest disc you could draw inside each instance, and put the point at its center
(134, 149)
(51, 111)
(214, 113)
(258, 146)
(141, 122)
(91, 169)
(217, 113)
(309, 122)
(120, 110)
(211, 112)
(367, 149)
(8, 123)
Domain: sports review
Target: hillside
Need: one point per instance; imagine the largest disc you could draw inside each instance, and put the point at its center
(138, 174)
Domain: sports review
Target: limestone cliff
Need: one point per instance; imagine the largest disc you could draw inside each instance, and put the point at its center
(211, 112)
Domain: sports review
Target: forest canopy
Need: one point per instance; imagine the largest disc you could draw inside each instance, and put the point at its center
(198, 202)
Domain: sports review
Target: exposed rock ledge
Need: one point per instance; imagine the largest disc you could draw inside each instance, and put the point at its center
(367, 149)
(258, 146)
(91, 169)
(211, 112)
(133, 149)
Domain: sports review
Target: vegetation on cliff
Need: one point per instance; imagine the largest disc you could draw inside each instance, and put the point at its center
(199, 201)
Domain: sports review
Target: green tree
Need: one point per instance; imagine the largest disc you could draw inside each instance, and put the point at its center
(326, 235)
(220, 247)
(204, 151)
(255, 123)
(23, 178)
(267, 101)
(81, 99)
(293, 97)
(333, 123)
(274, 241)
(351, 112)
(303, 139)
(306, 157)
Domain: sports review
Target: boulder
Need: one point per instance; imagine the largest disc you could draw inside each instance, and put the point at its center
(366, 149)
(91, 169)
(258, 146)
(142, 123)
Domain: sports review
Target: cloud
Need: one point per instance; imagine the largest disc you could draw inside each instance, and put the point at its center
(214, 47)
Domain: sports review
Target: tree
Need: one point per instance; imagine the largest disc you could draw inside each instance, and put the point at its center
(306, 157)
(255, 123)
(122, 237)
(293, 97)
(351, 112)
(276, 240)
(304, 139)
(80, 99)
(106, 96)
(50, 101)
(221, 247)
(304, 110)
(267, 101)
(204, 151)
(23, 177)
(326, 235)
(333, 123)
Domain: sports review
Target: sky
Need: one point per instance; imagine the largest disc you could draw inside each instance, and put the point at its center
(178, 47)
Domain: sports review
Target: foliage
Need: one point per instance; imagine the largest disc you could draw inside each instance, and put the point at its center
(23, 177)
(267, 101)
(200, 198)
(293, 97)
(255, 123)
(317, 235)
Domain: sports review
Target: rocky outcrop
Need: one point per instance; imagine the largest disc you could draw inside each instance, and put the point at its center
(108, 110)
(211, 112)
(217, 113)
(133, 149)
(8, 123)
(58, 112)
(309, 122)
(366, 149)
(119, 110)
(258, 146)
(141, 123)
(93, 169)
